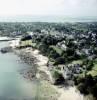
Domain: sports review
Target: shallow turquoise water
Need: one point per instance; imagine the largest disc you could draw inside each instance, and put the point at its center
(12, 85)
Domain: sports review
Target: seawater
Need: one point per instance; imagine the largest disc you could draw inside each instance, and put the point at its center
(12, 84)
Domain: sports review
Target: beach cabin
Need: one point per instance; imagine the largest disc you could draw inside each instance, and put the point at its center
(26, 41)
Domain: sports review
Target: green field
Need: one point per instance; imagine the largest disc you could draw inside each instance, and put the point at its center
(93, 72)
(57, 49)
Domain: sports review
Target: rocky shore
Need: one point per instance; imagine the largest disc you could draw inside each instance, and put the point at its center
(40, 71)
(6, 49)
(37, 61)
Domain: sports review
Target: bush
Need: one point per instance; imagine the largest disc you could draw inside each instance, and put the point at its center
(94, 91)
(82, 88)
(58, 77)
(53, 54)
(89, 81)
(59, 60)
(87, 85)
(78, 80)
(43, 48)
(90, 65)
(70, 51)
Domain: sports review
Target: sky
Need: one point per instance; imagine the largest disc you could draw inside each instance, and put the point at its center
(48, 7)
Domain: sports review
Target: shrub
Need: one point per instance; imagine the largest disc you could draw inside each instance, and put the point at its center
(70, 51)
(94, 91)
(79, 80)
(53, 54)
(58, 77)
(90, 65)
(82, 88)
(59, 60)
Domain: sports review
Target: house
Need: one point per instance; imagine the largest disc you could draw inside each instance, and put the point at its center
(62, 45)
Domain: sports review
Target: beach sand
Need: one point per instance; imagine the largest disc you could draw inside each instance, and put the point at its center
(61, 93)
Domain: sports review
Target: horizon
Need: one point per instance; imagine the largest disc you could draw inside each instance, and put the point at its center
(45, 18)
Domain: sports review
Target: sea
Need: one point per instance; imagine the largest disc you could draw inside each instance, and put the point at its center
(12, 84)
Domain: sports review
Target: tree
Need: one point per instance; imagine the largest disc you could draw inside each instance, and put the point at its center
(43, 48)
(82, 88)
(53, 54)
(94, 90)
(88, 65)
(59, 60)
(70, 51)
(59, 79)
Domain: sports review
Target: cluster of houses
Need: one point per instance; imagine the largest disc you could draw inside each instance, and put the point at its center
(71, 71)
(80, 40)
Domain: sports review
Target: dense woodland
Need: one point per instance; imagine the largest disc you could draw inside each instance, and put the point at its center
(63, 44)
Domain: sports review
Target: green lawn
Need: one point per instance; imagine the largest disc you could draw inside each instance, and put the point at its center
(77, 62)
(33, 44)
(93, 72)
(57, 49)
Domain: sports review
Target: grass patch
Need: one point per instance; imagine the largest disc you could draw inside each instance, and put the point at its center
(33, 44)
(57, 49)
(93, 72)
(77, 62)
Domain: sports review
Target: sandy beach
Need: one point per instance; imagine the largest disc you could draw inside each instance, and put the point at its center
(61, 93)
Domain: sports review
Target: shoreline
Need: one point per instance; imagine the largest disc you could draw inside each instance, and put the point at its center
(42, 73)
(47, 90)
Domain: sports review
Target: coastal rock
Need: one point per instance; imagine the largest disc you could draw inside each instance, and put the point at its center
(6, 50)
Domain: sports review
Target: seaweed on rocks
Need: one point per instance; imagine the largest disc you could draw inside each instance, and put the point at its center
(26, 57)
(6, 50)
